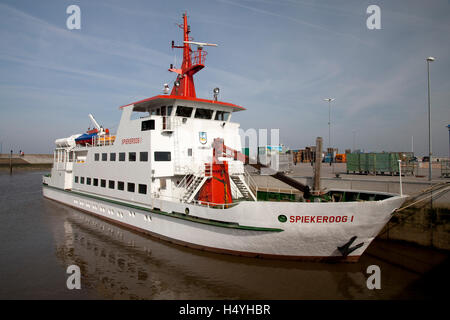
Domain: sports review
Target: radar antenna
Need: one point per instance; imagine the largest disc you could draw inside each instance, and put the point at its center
(193, 62)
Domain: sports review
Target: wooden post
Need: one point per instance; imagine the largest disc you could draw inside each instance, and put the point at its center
(317, 165)
(10, 162)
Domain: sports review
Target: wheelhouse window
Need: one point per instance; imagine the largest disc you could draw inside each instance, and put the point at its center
(222, 115)
(143, 156)
(184, 111)
(120, 185)
(104, 157)
(82, 180)
(131, 156)
(203, 113)
(155, 112)
(96, 156)
(162, 156)
(88, 181)
(130, 187)
(142, 189)
(148, 125)
(103, 183)
(122, 156)
(112, 157)
(111, 184)
(76, 179)
(95, 182)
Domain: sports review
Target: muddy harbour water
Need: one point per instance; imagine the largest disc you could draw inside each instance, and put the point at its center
(40, 238)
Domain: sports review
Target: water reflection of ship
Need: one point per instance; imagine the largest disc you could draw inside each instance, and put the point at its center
(121, 264)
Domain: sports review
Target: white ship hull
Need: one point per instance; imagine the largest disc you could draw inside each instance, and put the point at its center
(313, 231)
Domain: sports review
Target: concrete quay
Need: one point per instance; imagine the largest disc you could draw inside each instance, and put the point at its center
(336, 177)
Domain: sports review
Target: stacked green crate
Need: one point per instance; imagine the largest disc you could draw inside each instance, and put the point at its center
(383, 162)
(394, 157)
(353, 162)
(371, 162)
(364, 162)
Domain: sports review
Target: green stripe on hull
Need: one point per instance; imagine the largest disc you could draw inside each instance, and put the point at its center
(177, 215)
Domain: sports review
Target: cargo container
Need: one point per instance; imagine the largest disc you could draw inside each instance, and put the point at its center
(353, 162)
(380, 163)
(341, 157)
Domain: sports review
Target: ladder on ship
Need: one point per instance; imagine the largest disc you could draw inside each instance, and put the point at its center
(243, 187)
(193, 188)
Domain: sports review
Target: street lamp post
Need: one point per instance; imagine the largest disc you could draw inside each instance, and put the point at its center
(448, 142)
(329, 130)
(329, 120)
(429, 59)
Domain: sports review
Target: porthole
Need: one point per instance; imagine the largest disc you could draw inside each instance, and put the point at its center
(282, 218)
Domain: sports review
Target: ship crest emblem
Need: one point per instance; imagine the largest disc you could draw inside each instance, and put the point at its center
(202, 137)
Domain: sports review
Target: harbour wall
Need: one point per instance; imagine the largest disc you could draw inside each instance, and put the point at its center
(27, 161)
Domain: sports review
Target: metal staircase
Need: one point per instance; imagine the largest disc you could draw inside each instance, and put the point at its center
(193, 188)
(243, 187)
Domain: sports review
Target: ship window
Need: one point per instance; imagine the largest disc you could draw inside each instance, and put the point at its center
(88, 181)
(122, 156)
(148, 125)
(111, 184)
(222, 115)
(120, 185)
(162, 156)
(103, 183)
(97, 157)
(131, 156)
(189, 152)
(76, 179)
(156, 112)
(142, 189)
(169, 110)
(82, 180)
(95, 182)
(112, 157)
(130, 187)
(143, 156)
(203, 113)
(184, 111)
(104, 157)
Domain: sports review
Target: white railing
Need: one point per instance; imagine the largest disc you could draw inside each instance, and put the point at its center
(251, 183)
(201, 171)
(215, 205)
(103, 140)
(63, 166)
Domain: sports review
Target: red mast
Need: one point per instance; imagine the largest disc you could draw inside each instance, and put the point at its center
(193, 62)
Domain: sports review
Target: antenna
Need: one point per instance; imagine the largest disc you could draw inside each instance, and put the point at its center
(193, 62)
(201, 44)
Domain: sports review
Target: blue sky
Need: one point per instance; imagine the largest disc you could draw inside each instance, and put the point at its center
(279, 59)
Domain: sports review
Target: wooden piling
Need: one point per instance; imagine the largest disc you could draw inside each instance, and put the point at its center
(10, 162)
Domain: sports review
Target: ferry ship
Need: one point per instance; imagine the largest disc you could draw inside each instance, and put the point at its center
(175, 172)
